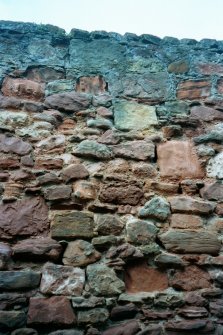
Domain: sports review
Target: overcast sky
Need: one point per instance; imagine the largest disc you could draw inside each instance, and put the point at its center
(179, 18)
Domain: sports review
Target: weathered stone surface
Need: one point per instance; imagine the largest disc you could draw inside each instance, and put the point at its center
(128, 328)
(186, 325)
(57, 192)
(130, 115)
(68, 101)
(215, 134)
(190, 279)
(24, 331)
(94, 85)
(206, 113)
(81, 302)
(13, 280)
(38, 248)
(12, 319)
(193, 89)
(103, 281)
(121, 193)
(178, 159)
(123, 312)
(85, 190)
(152, 330)
(157, 208)
(48, 178)
(215, 166)
(191, 241)
(62, 280)
(184, 204)
(74, 171)
(142, 278)
(140, 231)
(141, 169)
(50, 311)
(216, 308)
(31, 218)
(107, 224)
(23, 88)
(178, 67)
(185, 221)
(67, 224)
(125, 252)
(67, 332)
(5, 255)
(139, 150)
(14, 145)
(13, 119)
(96, 315)
(80, 253)
(51, 142)
(193, 312)
(100, 123)
(169, 300)
(165, 260)
(49, 163)
(212, 191)
(92, 149)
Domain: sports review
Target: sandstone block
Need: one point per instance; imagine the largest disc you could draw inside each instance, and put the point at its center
(185, 221)
(193, 89)
(80, 253)
(107, 224)
(23, 88)
(139, 150)
(157, 208)
(93, 316)
(85, 190)
(94, 85)
(212, 191)
(92, 149)
(68, 101)
(206, 113)
(9, 144)
(74, 171)
(189, 205)
(13, 280)
(140, 231)
(60, 192)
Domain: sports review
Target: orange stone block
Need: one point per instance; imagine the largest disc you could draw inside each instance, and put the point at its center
(178, 159)
(142, 278)
(23, 88)
(94, 85)
(192, 89)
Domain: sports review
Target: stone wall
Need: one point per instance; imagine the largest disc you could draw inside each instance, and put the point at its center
(111, 167)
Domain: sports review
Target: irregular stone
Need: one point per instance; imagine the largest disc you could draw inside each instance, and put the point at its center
(5, 255)
(130, 115)
(80, 253)
(100, 123)
(85, 190)
(103, 281)
(195, 299)
(49, 163)
(24, 331)
(51, 142)
(104, 112)
(140, 231)
(178, 159)
(205, 150)
(92, 316)
(62, 280)
(81, 302)
(185, 325)
(68, 101)
(142, 278)
(142, 170)
(172, 131)
(152, 330)
(157, 208)
(191, 241)
(94, 85)
(128, 328)
(9, 300)
(139, 150)
(58, 192)
(104, 242)
(185, 221)
(50, 311)
(169, 300)
(12, 319)
(190, 279)
(123, 312)
(213, 135)
(68, 224)
(215, 167)
(193, 89)
(216, 308)
(184, 204)
(165, 260)
(14, 145)
(109, 137)
(13, 280)
(48, 178)
(193, 312)
(156, 315)
(9, 162)
(59, 86)
(107, 224)
(206, 113)
(23, 88)
(38, 248)
(74, 171)
(212, 191)
(121, 193)
(125, 251)
(13, 119)
(92, 149)
(31, 218)
(178, 67)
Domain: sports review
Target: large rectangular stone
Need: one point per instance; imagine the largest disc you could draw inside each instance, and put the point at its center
(13, 280)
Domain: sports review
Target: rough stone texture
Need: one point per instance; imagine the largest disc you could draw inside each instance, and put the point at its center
(116, 141)
(80, 253)
(51, 311)
(62, 280)
(141, 278)
(23, 218)
(191, 241)
(103, 281)
(72, 224)
(130, 115)
(178, 159)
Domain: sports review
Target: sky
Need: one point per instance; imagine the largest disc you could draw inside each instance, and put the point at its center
(178, 18)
